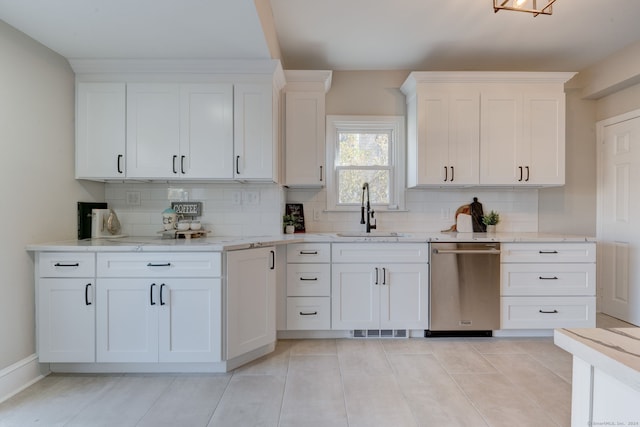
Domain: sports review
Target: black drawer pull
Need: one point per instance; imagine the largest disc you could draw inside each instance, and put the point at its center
(308, 252)
(166, 264)
(547, 278)
(86, 294)
(119, 166)
(304, 279)
(313, 313)
(151, 301)
(548, 312)
(161, 289)
(547, 252)
(57, 264)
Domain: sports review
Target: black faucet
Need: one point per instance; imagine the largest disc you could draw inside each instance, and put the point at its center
(369, 213)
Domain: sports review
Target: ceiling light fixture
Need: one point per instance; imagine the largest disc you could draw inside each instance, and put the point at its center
(537, 7)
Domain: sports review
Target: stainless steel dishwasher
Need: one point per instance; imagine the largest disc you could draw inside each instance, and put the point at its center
(464, 297)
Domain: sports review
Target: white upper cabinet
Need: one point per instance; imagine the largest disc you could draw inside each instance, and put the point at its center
(305, 127)
(485, 128)
(523, 137)
(100, 131)
(255, 147)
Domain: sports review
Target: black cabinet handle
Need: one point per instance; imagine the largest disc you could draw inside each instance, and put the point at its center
(452, 174)
(57, 264)
(119, 164)
(548, 312)
(174, 164)
(547, 278)
(182, 164)
(320, 173)
(161, 289)
(86, 294)
(237, 165)
(308, 252)
(166, 264)
(273, 260)
(304, 279)
(313, 313)
(547, 252)
(384, 276)
(376, 282)
(520, 179)
(527, 168)
(446, 174)
(151, 294)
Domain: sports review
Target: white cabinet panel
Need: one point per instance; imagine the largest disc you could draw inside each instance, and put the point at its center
(159, 264)
(548, 279)
(311, 280)
(548, 252)
(100, 131)
(380, 252)
(355, 297)
(308, 313)
(548, 312)
(308, 252)
(66, 264)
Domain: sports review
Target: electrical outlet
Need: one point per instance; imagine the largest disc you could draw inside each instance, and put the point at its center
(316, 214)
(251, 198)
(133, 198)
(236, 198)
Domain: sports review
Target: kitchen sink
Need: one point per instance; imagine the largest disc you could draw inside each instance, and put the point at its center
(376, 234)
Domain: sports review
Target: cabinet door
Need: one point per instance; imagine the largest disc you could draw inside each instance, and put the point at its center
(206, 132)
(66, 320)
(190, 328)
(153, 131)
(500, 134)
(404, 299)
(251, 300)
(448, 137)
(543, 151)
(355, 296)
(253, 132)
(127, 320)
(305, 139)
(100, 130)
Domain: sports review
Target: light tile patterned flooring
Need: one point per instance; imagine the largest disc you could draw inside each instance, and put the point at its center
(359, 382)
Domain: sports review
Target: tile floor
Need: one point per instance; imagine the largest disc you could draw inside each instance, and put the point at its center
(360, 382)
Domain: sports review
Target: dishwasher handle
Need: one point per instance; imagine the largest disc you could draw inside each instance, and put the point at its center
(468, 251)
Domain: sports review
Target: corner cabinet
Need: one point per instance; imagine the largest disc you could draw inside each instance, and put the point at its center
(250, 300)
(304, 135)
(485, 128)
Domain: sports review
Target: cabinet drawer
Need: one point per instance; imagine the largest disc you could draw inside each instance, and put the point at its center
(308, 280)
(306, 313)
(548, 312)
(548, 279)
(169, 264)
(308, 252)
(548, 252)
(380, 252)
(66, 264)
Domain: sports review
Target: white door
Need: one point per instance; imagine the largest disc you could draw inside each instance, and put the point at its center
(355, 296)
(251, 300)
(127, 320)
(153, 131)
(464, 137)
(404, 299)
(253, 132)
(100, 130)
(66, 320)
(619, 220)
(190, 320)
(206, 131)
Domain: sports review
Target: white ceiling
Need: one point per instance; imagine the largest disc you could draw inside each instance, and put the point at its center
(335, 34)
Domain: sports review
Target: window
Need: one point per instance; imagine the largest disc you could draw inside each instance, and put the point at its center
(365, 149)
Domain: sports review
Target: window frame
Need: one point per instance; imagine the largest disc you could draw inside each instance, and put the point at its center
(395, 125)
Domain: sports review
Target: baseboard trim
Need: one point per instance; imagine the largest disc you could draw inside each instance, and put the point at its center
(20, 375)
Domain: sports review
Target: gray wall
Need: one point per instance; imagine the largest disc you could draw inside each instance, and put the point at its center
(39, 193)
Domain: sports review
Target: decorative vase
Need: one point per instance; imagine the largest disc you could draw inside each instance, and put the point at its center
(491, 228)
(289, 229)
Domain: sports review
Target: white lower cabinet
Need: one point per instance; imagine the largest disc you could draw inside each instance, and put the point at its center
(379, 295)
(250, 300)
(548, 285)
(159, 320)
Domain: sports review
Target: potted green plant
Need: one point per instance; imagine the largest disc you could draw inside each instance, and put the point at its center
(491, 220)
(289, 222)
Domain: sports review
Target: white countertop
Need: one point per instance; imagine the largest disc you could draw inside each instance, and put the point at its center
(615, 351)
(222, 243)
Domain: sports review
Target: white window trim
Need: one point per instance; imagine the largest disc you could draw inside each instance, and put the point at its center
(397, 155)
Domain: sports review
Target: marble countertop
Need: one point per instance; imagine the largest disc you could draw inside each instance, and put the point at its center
(226, 243)
(615, 351)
